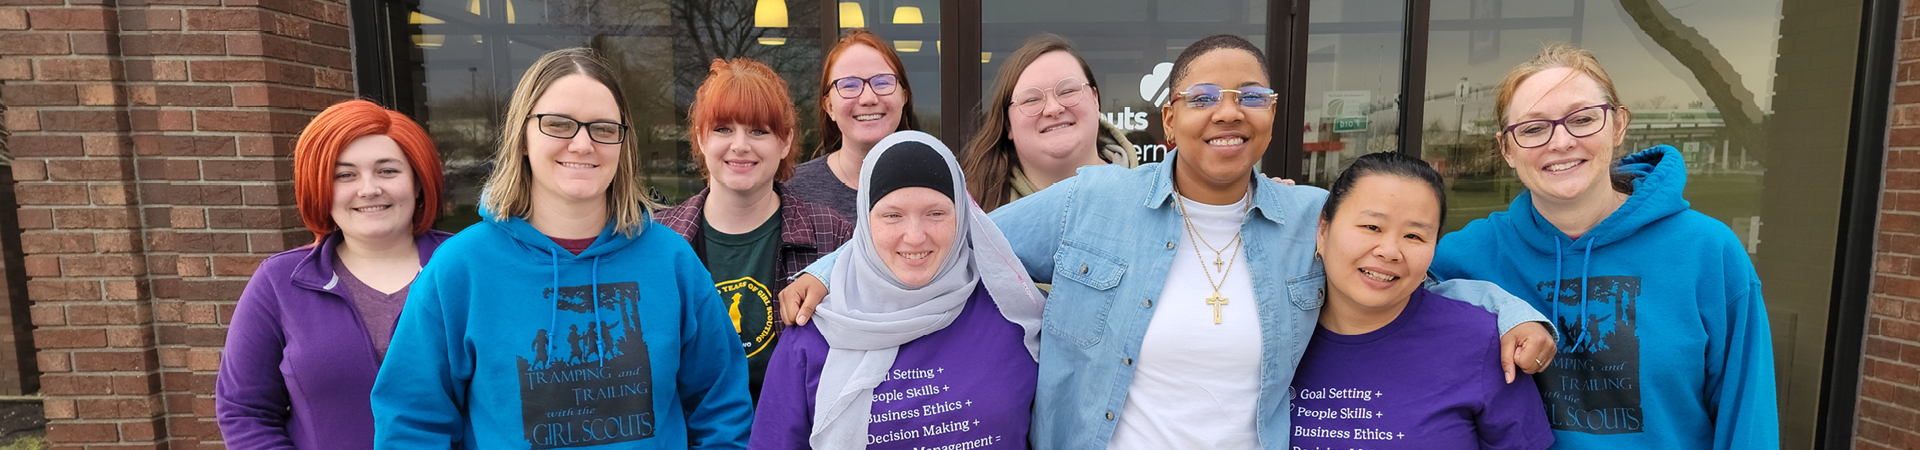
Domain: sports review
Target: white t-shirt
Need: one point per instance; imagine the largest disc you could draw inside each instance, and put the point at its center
(1196, 382)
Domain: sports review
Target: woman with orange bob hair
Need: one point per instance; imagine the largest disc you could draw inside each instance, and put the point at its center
(313, 324)
(750, 233)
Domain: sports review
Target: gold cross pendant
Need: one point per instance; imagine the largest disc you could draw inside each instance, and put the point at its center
(1217, 263)
(1217, 301)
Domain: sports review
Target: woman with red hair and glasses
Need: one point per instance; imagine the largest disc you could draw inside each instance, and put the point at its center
(313, 324)
(864, 96)
(744, 226)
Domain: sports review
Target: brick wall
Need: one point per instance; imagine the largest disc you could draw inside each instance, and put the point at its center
(1889, 408)
(152, 142)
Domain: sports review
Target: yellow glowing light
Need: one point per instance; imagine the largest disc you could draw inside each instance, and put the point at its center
(473, 7)
(417, 18)
(510, 12)
(851, 17)
(773, 41)
(429, 40)
(906, 15)
(770, 14)
(986, 57)
(907, 46)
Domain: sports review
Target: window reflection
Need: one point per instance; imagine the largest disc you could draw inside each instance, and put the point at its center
(1352, 95)
(1129, 44)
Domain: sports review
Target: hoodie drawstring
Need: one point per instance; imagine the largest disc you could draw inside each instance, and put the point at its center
(553, 316)
(1586, 264)
(1556, 281)
(597, 341)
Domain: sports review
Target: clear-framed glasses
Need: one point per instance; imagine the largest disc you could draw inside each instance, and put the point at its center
(883, 84)
(1580, 123)
(1033, 101)
(1203, 96)
(564, 127)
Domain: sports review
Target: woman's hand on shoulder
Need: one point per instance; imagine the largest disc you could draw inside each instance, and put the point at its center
(1527, 346)
(799, 299)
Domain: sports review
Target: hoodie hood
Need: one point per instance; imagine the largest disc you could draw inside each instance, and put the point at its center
(1659, 179)
(1114, 146)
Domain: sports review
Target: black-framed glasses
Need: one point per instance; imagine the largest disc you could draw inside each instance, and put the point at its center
(1033, 101)
(563, 127)
(1580, 123)
(1203, 96)
(883, 84)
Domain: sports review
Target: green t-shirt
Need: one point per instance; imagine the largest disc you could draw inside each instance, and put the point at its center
(742, 266)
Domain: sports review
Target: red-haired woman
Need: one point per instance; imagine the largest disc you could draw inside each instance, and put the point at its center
(313, 324)
(864, 96)
(750, 233)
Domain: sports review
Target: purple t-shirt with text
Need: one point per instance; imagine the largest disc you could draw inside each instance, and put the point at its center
(1430, 379)
(967, 386)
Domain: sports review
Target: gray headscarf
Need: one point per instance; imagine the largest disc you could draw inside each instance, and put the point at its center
(869, 313)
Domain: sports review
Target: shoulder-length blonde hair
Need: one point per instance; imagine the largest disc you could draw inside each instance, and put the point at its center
(509, 192)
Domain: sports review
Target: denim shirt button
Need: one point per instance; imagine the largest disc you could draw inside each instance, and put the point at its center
(1127, 361)
(1083, 269)
(1169, 245)
(1109, 415)
(1147, 304)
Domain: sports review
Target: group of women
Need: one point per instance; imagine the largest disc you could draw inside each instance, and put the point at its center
(1042, 292)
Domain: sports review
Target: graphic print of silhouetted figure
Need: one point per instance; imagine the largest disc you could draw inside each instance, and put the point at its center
(540, 349)
(606, 338)
(593, 342)
(574, 338)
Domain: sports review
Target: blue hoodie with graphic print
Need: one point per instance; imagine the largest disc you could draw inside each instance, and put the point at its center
(510, 341)
(1664, 342)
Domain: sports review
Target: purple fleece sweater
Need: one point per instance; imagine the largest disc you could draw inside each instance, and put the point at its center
(299, 364)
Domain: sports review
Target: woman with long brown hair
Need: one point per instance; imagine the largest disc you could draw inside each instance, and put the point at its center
(1042, 124)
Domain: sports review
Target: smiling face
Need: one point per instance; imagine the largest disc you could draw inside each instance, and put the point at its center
(1567, 168)
(742, 158)
(1218, 145)
(373, 191)
(1058, 132)
(1379, 243)
(913, 230)
(868, 117)
(572, 170)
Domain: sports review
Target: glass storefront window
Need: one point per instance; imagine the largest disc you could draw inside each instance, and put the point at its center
(1754, 94)
(1354, 61)
(1129, 44)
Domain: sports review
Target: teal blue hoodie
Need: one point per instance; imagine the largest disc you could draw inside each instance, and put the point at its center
(1664, 342)
(499, 347)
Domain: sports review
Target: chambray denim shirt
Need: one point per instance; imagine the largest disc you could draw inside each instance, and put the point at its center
(1106, 238)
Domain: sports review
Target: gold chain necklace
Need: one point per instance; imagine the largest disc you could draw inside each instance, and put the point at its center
(1216, 301)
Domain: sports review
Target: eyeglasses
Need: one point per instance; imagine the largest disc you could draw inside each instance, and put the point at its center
(1581, 123)
(1203, 96)
(1033, 101)
(883, 84)
(564, 127)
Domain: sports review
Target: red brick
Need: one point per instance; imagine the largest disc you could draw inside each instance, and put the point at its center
(39, 95)
(142, 431)
(258, 195)
(66, 432)
(152, 70)
(1896, 285)
(89, 170)
(83, 120)
(333, 79)
(206, 194)
(13, 19)
(272, 146)
(78, 69)
(208, 71)
(241, 19)
(236, 266)
(36, 218)
(117, 241)
(55, 361)
(93, 44)
(111, 145)
(203, 359)
(69, 338)
(113, 361)
(251, 218)
(204, 289)
(135, 384)
(51, 194)
(177, 45)
(161, 120)
(89, 314)
(150, 19)
(111, 194)
(247, 170)
(42, 265)
(129, 337)
(23, 119)
(92, 19)
(125, 290)
(16, 69)
(56, 242)
(15, 44)
(101, 265)
(29, 170)
(45, 145)
(48, 315)
(193, 95)
(101, 95)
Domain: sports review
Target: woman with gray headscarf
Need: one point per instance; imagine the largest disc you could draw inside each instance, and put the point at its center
(930, 339)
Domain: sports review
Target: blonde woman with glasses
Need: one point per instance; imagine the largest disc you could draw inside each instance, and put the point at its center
(1042, 124)
(566, 318)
